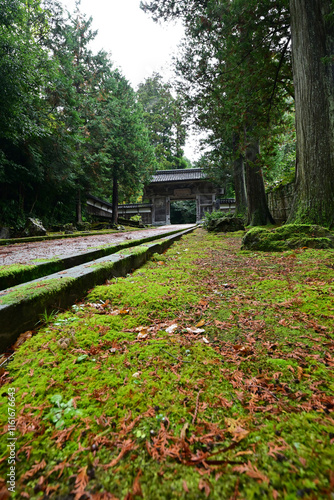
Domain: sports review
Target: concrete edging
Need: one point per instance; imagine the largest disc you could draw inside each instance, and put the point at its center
(22, 306)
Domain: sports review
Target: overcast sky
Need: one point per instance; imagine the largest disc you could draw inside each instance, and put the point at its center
(138, 46)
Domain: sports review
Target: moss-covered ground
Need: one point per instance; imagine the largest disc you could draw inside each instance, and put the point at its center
(207, 373)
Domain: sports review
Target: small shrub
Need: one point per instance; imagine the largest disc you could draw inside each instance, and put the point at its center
(69, 227)
(136, 218)
(83, 226)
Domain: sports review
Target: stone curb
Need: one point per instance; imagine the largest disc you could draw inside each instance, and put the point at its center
(53, 266)
(22, 306)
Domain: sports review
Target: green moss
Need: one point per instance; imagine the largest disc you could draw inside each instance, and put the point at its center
(38, 261)
(253, 399)
(289, 230)
(34, 290)
(288, 236)
(320, 215)
(319, 243)
(134, 251)
(9, 271)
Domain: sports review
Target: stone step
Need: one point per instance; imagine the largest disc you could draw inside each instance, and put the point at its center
(21, 306)
(55, 265)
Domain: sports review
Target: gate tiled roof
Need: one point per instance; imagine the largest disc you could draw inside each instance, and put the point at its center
(185, 174)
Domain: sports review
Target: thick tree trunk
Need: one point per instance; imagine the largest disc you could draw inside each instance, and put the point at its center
(312, 41)
(239, 180)
(258, 212)
(240, 186)
(79, 207)
(114, 199)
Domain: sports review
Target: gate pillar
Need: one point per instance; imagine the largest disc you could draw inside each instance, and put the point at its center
(198, 208)
(160, 210)
(168, 210)
(204, 203)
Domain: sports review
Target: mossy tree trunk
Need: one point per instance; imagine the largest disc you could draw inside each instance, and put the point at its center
(312, 31)
(258, 213)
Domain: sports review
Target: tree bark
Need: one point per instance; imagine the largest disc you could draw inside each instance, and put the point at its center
(239, 179)
(312, 41)
(114, 218)
(79, 207)
(257, 208)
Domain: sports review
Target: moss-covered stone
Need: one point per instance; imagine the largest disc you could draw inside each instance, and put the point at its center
(288, 237)
(35, 290)
(225, 223)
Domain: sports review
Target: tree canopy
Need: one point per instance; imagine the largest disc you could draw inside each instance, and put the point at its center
(69, 120)
(164, 120)
(237, 77)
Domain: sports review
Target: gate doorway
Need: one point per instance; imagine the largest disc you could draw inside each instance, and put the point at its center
(183, 212)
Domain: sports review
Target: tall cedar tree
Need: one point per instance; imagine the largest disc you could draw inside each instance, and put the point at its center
(164, 121)
(110, 140)
(25, 71)
(312, 32)
(55, 95)
(312, 27)
(82, 74)
(121, 140)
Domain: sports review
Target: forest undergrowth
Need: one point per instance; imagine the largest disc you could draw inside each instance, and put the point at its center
(207, 373)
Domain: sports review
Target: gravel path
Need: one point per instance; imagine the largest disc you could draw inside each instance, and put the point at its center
(25, 253)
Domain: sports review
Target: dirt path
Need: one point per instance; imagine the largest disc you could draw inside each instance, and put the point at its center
(25, 253)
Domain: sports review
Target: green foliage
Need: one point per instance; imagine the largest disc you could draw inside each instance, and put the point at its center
(235, 78)
(218, 165)
(26, 70)
(212, 216)
(69, 122)
(48, 317)
(164, 119)
(279, 154)
(136, 218)
(119, 135)
(63, 412)
(32, 174)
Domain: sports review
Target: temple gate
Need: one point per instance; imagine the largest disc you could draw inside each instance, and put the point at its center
(186, 184)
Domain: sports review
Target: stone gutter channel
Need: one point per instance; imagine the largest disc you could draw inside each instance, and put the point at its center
(21, 306)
